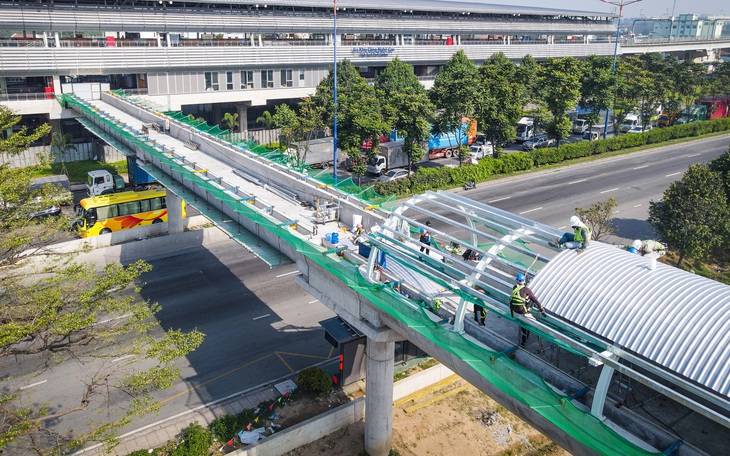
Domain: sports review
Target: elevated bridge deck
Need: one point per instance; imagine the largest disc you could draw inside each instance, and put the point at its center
(564, 384)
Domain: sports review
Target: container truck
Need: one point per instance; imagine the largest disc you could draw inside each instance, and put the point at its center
(691, 114)
(446, 145)
(319, 155)
(102, 182)
(525, 129)
(716, 107)
(390, 156)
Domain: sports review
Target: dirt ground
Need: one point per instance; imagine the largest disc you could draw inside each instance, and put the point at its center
(454, 419)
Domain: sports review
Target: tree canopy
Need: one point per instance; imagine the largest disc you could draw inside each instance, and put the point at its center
(59, 310)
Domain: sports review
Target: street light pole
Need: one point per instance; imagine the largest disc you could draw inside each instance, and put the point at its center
(334, 139)
(620, 4)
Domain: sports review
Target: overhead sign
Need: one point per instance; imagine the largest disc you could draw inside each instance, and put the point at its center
(373, 51)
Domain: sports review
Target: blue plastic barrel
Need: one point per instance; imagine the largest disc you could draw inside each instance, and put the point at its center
(335, 238)
(328, 237)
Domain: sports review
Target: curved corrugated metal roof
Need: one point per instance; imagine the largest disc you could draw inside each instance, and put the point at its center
(671, 317)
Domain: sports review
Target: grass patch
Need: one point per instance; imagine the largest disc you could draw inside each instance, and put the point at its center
(405, 373)
(77, 170)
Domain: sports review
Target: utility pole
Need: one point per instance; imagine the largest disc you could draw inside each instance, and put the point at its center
(620, 4)
(334, 138)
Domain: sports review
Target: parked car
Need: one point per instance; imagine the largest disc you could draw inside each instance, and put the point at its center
(393, 174)
(53, 211)
(538, 142)
(638, 129)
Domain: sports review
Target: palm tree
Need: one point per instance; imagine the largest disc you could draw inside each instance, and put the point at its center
(267, 120)
(230, 121)
(62, 144)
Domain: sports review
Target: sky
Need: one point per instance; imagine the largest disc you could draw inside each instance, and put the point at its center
(649, 8)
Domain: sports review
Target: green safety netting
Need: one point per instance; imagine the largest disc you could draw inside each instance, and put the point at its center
(517, 381)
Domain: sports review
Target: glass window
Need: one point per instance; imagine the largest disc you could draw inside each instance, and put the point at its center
(129, 208)
(107, 212)
(211, 80)
(247, 79)
(157, 203)
(144, 205)
(229, 80)
(267, 78)
(286, 78)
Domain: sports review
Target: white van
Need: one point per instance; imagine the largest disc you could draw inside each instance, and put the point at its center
(630, 122)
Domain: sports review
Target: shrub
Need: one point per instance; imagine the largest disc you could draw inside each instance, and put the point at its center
(196, 441)
(314, 380)
(227, 426)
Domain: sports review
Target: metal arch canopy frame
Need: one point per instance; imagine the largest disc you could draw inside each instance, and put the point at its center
(460, 277)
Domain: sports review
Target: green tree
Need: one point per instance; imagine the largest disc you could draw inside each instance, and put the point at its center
(500, 106)
(55, 308)
(455, 94)
(311, 119)
(598, 87)
(287, 122)
(20, 140)
(359, 114)
(721, 165)
(560, 79)
(720, 79)
(527, 78)
(62, 145)
(693, 216)
(598, 217)
(230, 121)
(406, 107)
(266, 119)
(359, 165)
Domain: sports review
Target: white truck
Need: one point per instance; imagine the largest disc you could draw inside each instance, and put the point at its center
(102, 182)
(390, 156)
(318, 153)
(579, 126)
(630, 121)
(525, 129)
(482, 150)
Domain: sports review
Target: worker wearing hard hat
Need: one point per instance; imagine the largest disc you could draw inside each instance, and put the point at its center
(578, 239)
(520, 301)
(648, 247)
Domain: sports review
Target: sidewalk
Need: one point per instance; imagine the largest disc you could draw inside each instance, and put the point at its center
(157, 434)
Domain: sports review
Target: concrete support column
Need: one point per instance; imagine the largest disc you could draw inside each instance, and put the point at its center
(509, 39)
(504, 39)
(45, 39)
(379, 397)
(242, 109)
(261, 43)
(56, 84)
(174, 213)
(252, 41)
(57, 39)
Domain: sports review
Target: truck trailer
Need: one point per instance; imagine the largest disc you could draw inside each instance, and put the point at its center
(318, 153)
(390, 156)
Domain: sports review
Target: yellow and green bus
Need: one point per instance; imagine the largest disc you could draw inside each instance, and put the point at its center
(121, 211)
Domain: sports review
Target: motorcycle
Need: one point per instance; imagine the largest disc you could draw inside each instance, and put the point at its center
(468, 185)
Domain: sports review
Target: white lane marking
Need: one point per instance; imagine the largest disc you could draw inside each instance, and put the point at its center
(673, 174)
(312, 302)
(122, 357)
(615, 212)
(610, 190)
(33, 384)
(531, 210)
(577, 182)
(262, 316)
(288, 273)
(641, 167)
(112, 319)
(562, 227)
(694, 155)
(638, 205)
(499, 199)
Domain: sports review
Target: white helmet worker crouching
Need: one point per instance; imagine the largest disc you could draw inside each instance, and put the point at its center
(575, 221)
(637, 244)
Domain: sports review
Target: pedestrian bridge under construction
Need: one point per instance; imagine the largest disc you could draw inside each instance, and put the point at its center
(630, 359)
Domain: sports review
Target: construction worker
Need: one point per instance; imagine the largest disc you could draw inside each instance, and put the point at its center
(520, 301)
(480, 313)
(425, 238)
(649, 246)
(577, 240)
